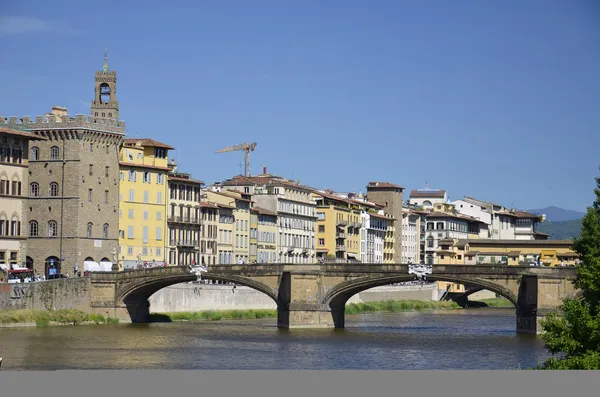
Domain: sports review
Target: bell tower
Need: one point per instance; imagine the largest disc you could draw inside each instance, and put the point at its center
(105, 104)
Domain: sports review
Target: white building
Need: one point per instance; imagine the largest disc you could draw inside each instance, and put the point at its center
(372, 236)
(296, 210)
(410, 236)
(427, 197)
(502, 224)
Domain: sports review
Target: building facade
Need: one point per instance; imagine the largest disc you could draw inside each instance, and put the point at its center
(209, 232)
(410, 236)
(73, 185)
(389, 196)
(225, 228)
(267, 236)
(143, 237)
(184, 220)
(427, 198)
(14, 182)
(296, 213)
(338, 225)
(375, 239)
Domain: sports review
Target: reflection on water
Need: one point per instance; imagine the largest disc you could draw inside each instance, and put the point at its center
(461, 339)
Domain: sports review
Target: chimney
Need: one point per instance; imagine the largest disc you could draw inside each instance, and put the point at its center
(265, 170)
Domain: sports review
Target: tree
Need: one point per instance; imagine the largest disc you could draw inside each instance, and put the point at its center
(574, 334)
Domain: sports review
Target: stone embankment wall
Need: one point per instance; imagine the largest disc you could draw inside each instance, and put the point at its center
(71, 293)
(200, 297)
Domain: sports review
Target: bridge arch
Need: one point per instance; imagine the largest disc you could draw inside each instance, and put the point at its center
(135, 294)
(337, 297)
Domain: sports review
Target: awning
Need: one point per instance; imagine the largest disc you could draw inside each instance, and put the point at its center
(3, 266)
(92, 266)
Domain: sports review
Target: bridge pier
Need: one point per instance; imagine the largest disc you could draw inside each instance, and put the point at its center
(138, 310)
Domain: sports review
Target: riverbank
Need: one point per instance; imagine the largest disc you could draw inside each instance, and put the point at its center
(38, 318)
(45, 318)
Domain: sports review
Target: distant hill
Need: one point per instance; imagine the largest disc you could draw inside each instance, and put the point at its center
(564, 230)
(555, 214)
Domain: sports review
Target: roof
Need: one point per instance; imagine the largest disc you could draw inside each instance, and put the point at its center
(225, 206)
(383, 185)
(233, 196)
(520, 214)
(427, 193)
(207, 204)
(240, 180)
(24, 134)
(457, 216)
(263, 211)
(189, 180)
(475, 242)
(473, 200)
(147, 142)
(383, 216)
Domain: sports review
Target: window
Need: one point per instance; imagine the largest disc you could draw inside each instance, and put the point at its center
(159, 215)
(33, 229)
(52, 229)
(90, 195)
(145, 196)
(158, 252)
(105, 230)
(106, 171)
(129, 231)
(34, 189)
(132, 176)
(430, 242)
(35, 153)
(106, 197)
(91, 147)
(145, 215)
(159, 198)
(53, 189)
(54, 153)
(321, 228)
(130, 214)
(106, 149)
(147, 177)
(321, 242)
(145, 234)
(159, 233)
(130, 250)
(90, 225)
(131, 195)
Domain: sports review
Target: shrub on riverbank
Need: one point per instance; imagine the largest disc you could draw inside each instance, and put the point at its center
(398, 306)
(497, 302)
(44, 318)
(214, 315)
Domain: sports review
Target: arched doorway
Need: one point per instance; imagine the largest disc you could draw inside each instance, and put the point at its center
(29, 262)
(52, 267)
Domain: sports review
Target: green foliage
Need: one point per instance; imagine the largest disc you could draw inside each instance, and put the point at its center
(574, 333)
(497, 302)
(398, 306)
(564, 230)
(44, 318)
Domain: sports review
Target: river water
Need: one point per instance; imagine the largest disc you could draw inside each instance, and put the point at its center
(458, 339)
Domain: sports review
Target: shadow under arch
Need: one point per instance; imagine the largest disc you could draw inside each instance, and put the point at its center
(135, 297)
(337, 297)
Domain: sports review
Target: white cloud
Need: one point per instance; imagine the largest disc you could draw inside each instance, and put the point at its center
(14, 25)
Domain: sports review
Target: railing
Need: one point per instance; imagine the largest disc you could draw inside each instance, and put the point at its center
(341, 222)
(340, 248)
(340, 235)
(187, 243)
(184, 219)
(356, 225)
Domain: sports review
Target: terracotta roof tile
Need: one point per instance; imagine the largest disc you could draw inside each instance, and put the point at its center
(147, 142)
(383, 185)
(25, 134)
(427, 193)
(263, 211)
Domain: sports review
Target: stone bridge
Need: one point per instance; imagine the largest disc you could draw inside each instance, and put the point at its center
(315, 295)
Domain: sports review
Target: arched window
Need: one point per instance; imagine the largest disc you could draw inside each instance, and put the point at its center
(89, 229)
(430, 242)
(35, 153)
(105, 231)
(52, 229)
(54, 153)
(34, 189)
(33, 229)
(53, 190)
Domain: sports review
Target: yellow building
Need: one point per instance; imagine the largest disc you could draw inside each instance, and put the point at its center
(338, 227)
(143, 189)
(516, 252)
(267, 246)
(240, 204)
(253, 252)
(209, 230)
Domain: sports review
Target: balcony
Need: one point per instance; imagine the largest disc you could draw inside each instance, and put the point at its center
(341, 235)
(184, 219)
(341, 248)
(341, 222)
(187, 243)
(356, 225)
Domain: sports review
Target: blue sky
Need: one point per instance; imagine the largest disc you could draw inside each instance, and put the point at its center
(492, 99)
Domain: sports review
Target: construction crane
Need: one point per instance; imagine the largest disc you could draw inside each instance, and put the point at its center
(247, 148)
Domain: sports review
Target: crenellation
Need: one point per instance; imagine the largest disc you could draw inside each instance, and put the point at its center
(79, 121)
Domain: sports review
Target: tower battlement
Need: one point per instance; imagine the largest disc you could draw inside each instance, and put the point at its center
(51, 121)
